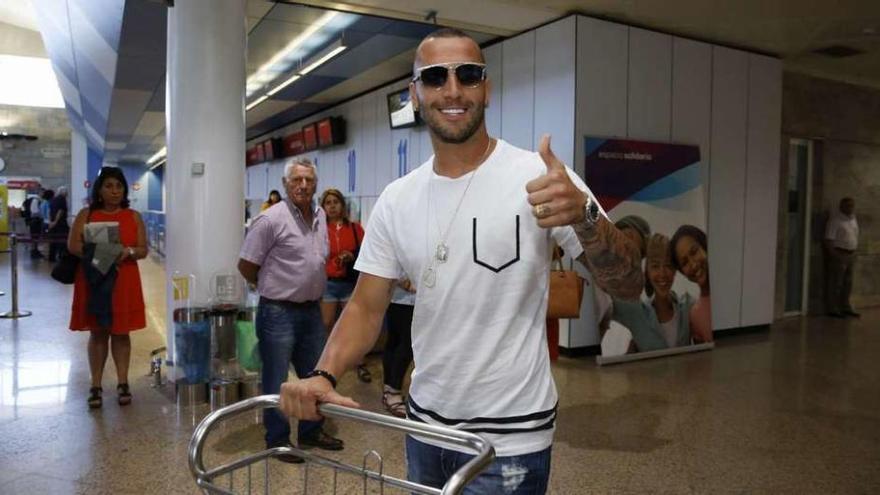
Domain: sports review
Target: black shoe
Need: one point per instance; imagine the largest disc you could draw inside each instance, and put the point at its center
(321, 440)
(36, 255)
(851, 313)
(287, 457)
(835, 314)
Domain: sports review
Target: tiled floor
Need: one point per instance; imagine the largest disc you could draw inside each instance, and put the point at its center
(795, 410)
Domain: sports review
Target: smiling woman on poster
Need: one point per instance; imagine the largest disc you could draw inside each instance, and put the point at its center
(663, 321)
(689, 255)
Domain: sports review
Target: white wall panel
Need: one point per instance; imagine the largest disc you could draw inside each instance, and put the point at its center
(649, 104)
(727, 179)
(367, 163)
(692, 99)
(518, 91)
(494, 64)
(555, 87)
(762, 186)
(384, 161)
(257, 182)
(602, 52)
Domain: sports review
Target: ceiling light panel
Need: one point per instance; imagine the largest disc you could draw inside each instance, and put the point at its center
(325, 28)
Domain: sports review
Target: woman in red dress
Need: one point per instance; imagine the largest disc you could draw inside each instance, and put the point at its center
(109, 203)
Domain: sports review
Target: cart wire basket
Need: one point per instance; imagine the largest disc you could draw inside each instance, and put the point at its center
(222, 479)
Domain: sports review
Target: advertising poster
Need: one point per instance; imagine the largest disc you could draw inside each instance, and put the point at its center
(653, 192)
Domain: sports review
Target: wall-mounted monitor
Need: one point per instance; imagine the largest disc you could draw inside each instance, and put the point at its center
(251, 156)
(293, 144)
(400, 110)
(331, 131)
(310, 137)
(271, 149)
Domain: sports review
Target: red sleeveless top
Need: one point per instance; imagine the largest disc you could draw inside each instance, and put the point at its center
(128, 297)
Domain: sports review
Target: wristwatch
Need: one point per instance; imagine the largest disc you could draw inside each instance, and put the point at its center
(131, 252)
(591, 211)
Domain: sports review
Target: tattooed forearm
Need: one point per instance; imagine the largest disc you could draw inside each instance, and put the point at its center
(612, 258)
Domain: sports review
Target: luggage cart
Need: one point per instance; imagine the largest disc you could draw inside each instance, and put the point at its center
(221, 479)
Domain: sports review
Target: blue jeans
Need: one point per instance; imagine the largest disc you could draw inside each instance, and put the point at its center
(288, 333)
(519, 474)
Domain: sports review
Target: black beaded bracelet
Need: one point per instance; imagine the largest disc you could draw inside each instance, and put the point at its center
(325, 374)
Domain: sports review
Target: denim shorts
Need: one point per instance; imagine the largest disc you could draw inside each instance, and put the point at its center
(337, 291)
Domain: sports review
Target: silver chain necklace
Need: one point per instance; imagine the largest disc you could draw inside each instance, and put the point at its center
(441, 251)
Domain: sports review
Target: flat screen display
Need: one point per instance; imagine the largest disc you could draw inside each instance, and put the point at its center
(310, 137)
(400, 110)
(293, 144)
(325, 133)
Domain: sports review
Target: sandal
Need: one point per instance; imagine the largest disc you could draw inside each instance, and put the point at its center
(364, 374)
(95, 401)
(396, 408)
(124, 398)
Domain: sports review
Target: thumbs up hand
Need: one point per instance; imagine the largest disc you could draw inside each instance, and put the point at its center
(554, 198)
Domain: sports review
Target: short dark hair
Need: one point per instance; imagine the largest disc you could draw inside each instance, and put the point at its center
(95, 200)
(687, 231)
(449, 32)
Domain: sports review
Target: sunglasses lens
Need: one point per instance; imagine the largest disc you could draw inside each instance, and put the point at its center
(434, 77)
(469, 74)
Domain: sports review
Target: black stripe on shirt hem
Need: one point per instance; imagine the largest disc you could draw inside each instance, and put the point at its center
(498, 431)
(411, 404)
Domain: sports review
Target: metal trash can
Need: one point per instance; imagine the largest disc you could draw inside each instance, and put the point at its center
(223, 393)
(223, 319)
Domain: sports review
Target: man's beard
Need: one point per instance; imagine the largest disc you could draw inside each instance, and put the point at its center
(456, 136)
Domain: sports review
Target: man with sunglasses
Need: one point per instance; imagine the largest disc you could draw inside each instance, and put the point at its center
(472, 228)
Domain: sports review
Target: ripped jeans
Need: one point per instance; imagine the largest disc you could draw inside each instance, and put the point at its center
(520, 474)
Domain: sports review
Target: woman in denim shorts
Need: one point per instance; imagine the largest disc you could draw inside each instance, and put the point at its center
(345, 238)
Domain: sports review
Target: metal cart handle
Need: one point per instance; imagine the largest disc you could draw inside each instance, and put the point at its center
(484, 451)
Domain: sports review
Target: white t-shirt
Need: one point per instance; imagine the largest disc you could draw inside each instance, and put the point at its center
(478, 335)
(843, 231)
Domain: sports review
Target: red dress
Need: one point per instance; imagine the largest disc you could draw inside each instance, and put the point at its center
(128, 297)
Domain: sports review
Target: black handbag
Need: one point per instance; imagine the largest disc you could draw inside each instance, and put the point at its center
(351, 275)
(65, 270)
(68, 264)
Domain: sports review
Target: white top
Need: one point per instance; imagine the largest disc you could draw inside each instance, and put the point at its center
(670, 329)
(478, 335)
(843, 231)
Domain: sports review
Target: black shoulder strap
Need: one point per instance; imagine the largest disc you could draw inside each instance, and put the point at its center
(357, 243)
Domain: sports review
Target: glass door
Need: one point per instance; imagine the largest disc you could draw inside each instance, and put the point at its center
(800, 165)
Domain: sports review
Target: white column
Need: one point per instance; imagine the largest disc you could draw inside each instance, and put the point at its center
(205, 131)
(79, 169)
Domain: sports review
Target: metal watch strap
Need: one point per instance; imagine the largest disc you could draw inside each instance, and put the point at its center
(324, 374)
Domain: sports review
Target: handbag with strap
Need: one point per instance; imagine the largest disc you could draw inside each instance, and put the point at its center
(68, 264)
(351, 275)
(566, 290)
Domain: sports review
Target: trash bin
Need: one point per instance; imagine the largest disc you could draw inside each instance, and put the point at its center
(192, 345)
(246, 343)
(223, 319)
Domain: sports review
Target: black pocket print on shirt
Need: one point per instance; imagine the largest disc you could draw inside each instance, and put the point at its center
(486, 265)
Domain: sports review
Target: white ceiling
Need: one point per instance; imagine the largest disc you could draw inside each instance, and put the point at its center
(790, 29)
